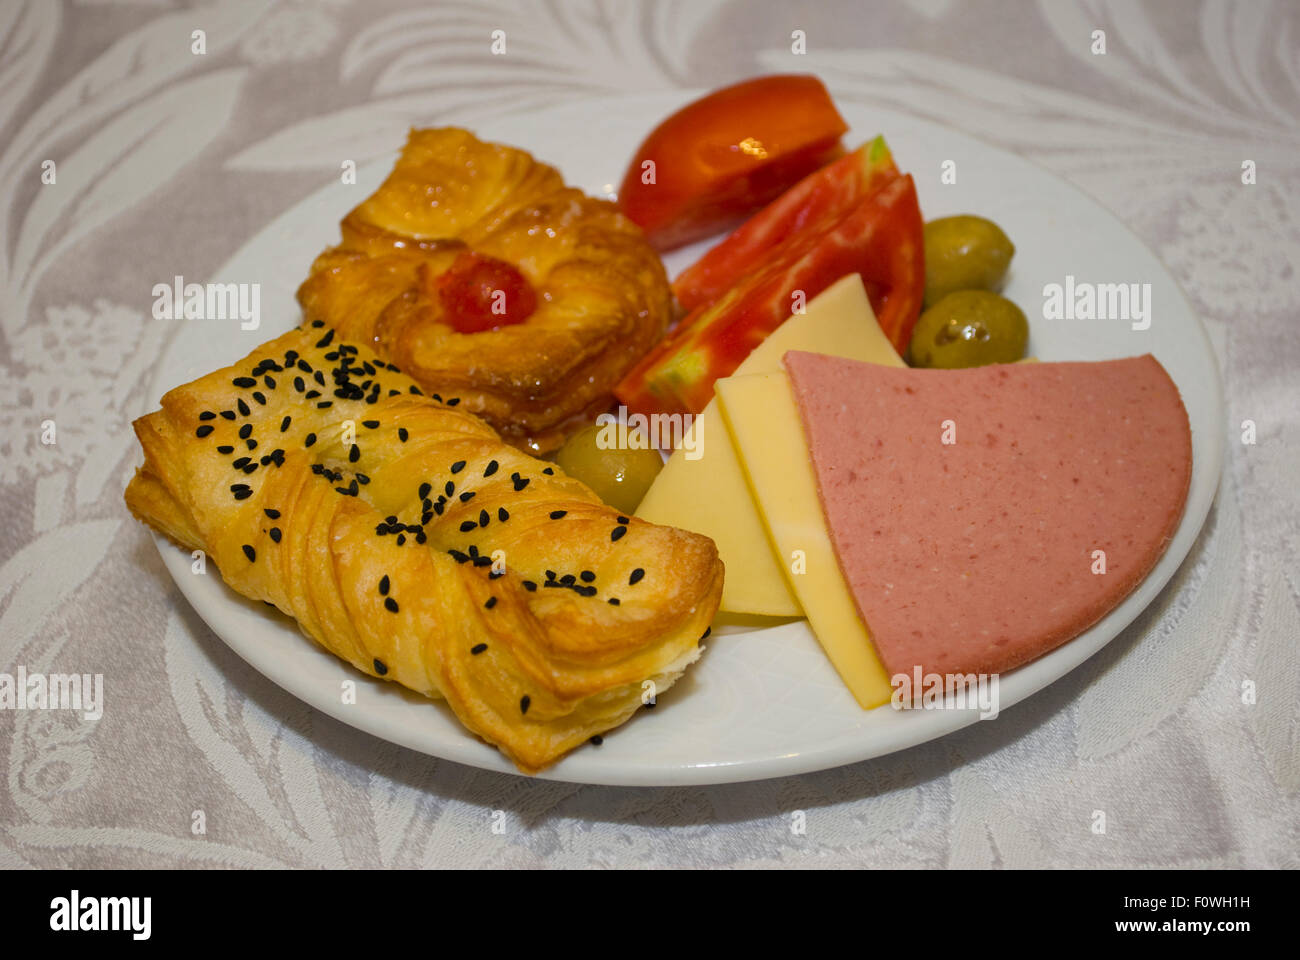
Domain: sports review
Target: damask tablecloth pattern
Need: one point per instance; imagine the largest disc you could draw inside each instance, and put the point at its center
(1185, 731)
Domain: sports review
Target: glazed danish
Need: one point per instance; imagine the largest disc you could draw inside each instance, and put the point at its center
(405, 537)
(597, 296)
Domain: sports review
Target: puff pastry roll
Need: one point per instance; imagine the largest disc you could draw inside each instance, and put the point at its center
(602, 297)
(405, 537)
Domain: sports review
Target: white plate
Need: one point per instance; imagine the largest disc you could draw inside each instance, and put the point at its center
(762, 702)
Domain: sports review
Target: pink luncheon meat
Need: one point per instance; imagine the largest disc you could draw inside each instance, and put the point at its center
(977, 555)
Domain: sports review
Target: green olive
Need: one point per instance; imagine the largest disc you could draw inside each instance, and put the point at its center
(964, 253)
(969, 328)
(618, 476)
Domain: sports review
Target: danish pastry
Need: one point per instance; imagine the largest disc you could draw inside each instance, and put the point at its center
(405, 537)
(478, 272)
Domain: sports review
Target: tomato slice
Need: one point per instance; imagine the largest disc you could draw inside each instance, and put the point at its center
(880, 238)
(720, 158)
(480, 293)
(815, 201)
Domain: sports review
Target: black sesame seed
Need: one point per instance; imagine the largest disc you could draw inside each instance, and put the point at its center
(568, 579)
(324, 404)
(207, 415)
(637, 574)
(467, 526)
(228, 414)
(467, 496)
(491, 602)
(624, 520)
(491, 468)
(252, 444)
(478, 648)
(310, 439)
(225, 448)
(245, 431)
(425, 489)
(370, 424)
(390, 605)
(587, 576)
(269, 381)
(274, 534)
(203, 431)
(520, 484)
(260, 397)
(450, 488)
(502, 514)
(550, 574)
(272, 513)
(380, 667)
(324, 341)
(243, 407)
(613, 601)
(483, 518)
(362, 478)
(617, 533)
(530, 586)
(524, 701)
(402, 434)
(458, 466)
(250, 553)
(284, 424)
(383, 586)
(549, 471)
(311, 394)
(241, 463)
(354, 454)
(299, 384)
(453, 401)
(597, 740)
(557, 514)
(244, 382)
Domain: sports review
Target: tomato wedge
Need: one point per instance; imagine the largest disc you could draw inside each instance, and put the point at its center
(813, 202)
(720, 158)
(880, 238)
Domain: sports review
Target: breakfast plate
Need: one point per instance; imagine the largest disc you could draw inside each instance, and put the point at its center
(763, 701)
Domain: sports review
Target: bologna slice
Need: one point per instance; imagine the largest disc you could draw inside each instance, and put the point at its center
(967, 507)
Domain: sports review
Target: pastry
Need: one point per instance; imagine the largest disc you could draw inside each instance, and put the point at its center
(405, 537)
(479, 273)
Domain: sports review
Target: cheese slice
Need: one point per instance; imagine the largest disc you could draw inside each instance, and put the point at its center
(763, 422)
(708, 494)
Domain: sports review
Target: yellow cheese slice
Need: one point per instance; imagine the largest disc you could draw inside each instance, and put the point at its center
(708, 494)
(763, 422)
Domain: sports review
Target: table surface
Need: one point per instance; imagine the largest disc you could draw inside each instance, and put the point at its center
(1182, 736)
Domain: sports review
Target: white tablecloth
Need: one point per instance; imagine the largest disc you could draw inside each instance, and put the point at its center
(167, 161)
